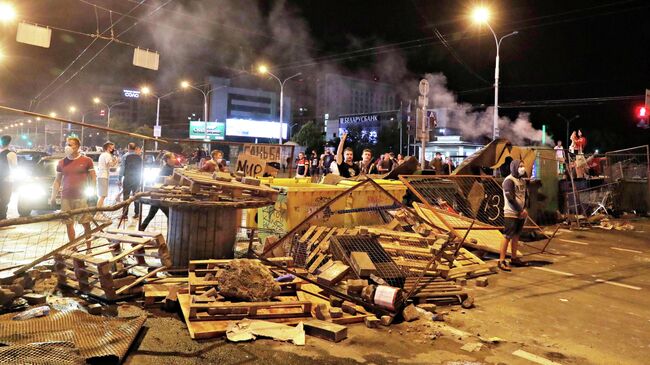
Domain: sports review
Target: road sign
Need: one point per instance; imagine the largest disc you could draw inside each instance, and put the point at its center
(157, 131)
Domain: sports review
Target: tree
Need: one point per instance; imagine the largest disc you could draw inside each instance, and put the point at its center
(122, 140)
(310, 136)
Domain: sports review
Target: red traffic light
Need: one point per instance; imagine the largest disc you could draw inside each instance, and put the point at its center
(642, 112)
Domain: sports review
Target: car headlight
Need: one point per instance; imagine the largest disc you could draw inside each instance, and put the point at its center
(89, 192)
(19, 173)
(151, 173)
(32, 191)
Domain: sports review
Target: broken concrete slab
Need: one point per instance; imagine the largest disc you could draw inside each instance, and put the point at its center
(410, 313)
(472, 347)
(248, 280)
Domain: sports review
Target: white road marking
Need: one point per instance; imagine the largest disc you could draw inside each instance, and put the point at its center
(553, 271)
(625, 249)
(565, 230)
(572, 241)
(618, 284)
(534, 358)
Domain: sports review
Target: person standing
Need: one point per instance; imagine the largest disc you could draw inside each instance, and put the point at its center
(366, 165)
(168, 165)
(559, 156)
(437, 163)
(345, 165)
(74, 173)
(106, 162)
(386, 164)
(302, 165)
(327, 160)
(8, 162)
(315, 164)
(216, 163)
(514, 210)
(131, 177)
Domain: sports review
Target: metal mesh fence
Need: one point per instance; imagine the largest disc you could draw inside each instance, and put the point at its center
(628, 164)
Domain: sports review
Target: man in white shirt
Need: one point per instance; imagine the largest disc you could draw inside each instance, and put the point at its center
(8, 162)
(104, 165)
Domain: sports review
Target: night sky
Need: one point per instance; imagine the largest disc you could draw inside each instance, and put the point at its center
(564, 50)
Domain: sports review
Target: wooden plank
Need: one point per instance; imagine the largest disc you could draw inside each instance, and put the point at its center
(326, 330)
(139, 280)
(123, 238)
(333, 275)
(362, 264)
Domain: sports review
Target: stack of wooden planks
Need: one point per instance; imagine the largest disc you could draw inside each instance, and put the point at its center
(112, 265)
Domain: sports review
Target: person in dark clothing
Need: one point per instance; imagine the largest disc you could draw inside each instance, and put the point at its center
(437, 163)
(8, 162)
(315, 164)
(346, 166)
(131, 177)
(366, 165)
(386, 164)
(514, 211)
(168, 165)
(326, 161)
(302, 165)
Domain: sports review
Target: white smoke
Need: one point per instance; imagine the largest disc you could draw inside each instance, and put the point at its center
(476, 124)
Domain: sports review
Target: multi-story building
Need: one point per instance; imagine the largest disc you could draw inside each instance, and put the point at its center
(343, 99)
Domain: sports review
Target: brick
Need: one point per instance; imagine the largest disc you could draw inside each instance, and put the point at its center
(356, 285)
(326, 330)
(482, 282)
(362, 264)
(33, 299)
(349, 308)
(368, 293)
(95, 309)
(335, 301)
(333, 275)
(371, 322)
(320, 310)
(212, 292)
(386, 320)
(429, 307)
(45, 274)
(410, 313)
(336, 312)
(461, 281)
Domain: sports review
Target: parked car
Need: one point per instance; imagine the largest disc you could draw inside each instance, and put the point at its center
(35, 190)
(27, 160)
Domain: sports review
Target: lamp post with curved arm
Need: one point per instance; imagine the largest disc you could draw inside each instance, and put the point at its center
(265, 71)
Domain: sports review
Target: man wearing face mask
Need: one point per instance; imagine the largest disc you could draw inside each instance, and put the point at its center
(515, 199)
(75, 173)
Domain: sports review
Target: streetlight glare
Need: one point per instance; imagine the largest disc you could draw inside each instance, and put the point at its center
(263, 69)
(185, 84)
(53, 114)
(145, 90)
(481, 15)
(96, 100)
(7, 12)
(72, 109)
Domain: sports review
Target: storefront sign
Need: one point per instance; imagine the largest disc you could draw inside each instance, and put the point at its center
(216, 130)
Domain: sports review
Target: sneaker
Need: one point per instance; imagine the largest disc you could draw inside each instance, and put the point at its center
(503, 265)
(517, 262)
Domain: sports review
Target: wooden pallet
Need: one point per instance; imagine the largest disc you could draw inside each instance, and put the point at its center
(103, 269)
(436, 290)
(205, 183)
(285, 307)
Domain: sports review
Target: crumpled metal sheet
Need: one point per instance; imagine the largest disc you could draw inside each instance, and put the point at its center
(93, 336)
(41, 353)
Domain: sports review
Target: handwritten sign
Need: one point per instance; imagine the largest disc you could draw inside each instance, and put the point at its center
(265, 152)
(250, 165)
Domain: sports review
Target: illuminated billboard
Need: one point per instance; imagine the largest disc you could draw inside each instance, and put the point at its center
(215, 130)
(254, 128)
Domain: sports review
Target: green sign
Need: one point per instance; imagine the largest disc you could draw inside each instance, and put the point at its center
(216, 130)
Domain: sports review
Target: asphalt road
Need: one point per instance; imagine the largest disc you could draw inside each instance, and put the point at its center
(585, 303)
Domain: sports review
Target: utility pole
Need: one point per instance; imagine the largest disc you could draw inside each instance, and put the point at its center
(422, 127)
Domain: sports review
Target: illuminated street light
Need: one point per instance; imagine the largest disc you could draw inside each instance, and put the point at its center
(185, 84)
(145, 90)
(7, 12)
(53, 114)
(97, 100)
(29, 120)
(481, 15)
(72, 109)
(264, 70)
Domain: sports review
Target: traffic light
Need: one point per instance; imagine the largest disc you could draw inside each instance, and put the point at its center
(642, 112)
(102, 112)
(642, 116)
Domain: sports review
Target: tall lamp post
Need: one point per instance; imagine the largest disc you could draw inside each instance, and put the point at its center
(264, 70)
(98, 101)
(146, 91)
(568, 124)
(187, 85)
(71, 110)
(482, 15)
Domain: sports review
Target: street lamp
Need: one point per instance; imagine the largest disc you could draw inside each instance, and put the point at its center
(264, 70)
(146, 91)
(98, 101)
(568, 123)
(186, 85)
(7, 12)
(481, 15)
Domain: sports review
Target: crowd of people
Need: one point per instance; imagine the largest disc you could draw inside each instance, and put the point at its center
(342, 163)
